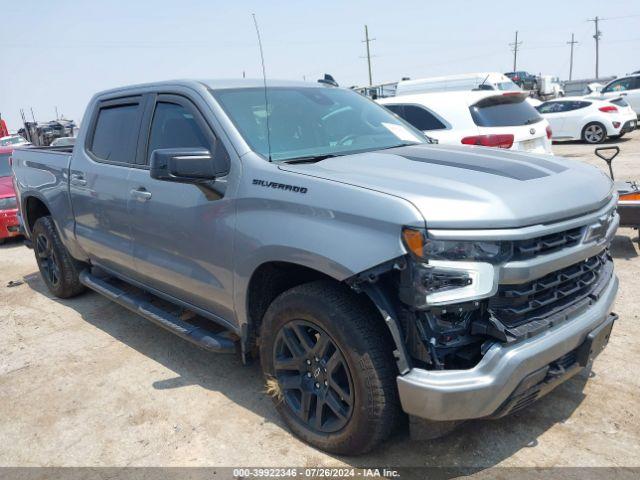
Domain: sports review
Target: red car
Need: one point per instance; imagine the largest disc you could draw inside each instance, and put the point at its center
(9, 224)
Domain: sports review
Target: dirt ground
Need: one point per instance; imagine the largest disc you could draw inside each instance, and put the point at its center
(83, 382)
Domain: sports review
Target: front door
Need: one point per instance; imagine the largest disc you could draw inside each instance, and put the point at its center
(182, 232)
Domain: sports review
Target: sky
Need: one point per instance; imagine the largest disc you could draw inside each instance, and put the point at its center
(58, 54)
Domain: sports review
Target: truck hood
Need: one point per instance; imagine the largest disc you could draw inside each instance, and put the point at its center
(472, 187)
(6, 187)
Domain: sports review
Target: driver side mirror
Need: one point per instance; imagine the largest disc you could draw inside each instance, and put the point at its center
(183, 165)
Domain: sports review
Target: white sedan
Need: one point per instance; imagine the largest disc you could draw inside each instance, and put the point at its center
(589, 120)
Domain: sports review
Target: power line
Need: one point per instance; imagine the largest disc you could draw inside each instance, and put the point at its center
(597, 36)
(368, 40)
(572, 43)
(515, 46)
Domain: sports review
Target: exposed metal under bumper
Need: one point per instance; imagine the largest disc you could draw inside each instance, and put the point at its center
(479, 392)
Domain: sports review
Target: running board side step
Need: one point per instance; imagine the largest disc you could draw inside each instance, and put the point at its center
(194, 334)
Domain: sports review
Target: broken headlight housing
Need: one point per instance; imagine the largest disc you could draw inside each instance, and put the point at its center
(452, 271)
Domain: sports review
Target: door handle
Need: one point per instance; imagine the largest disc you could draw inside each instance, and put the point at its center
(78, 179)
(141, 194)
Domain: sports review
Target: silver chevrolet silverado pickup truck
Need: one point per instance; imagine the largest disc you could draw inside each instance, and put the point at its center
(372, 272)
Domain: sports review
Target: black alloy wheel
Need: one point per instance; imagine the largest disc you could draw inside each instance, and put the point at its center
(47, 260)
(314, 376)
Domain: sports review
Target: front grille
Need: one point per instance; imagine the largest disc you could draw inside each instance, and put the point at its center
(525, 249)
(515, 305)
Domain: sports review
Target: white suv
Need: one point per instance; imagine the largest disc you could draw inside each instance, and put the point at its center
(503, 120)
(627, 87)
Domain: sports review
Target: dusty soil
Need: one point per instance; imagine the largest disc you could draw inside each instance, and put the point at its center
(83, 382)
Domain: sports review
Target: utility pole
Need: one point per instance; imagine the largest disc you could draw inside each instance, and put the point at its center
(572, 43)
(368, 40)
(596, 36)
(515, 46)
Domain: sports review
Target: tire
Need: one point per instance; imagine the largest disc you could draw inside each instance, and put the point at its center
(594, 133)
(59, 271)
(344, 346)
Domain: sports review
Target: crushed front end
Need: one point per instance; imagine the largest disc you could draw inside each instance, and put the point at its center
(494, 319)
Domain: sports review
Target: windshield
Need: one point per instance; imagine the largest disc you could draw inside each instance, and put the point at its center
(11, 141)
(5, 168)
(504, 111)
(507, 86)
(312, 122)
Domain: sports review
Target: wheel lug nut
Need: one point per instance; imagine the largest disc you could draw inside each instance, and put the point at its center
(317, 385)
(316, 359)
(326, 384)
(308, 362)
(309, 374)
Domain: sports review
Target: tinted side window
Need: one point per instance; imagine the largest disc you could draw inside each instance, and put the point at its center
(504, 111)
(116, 133)
(174, 126)
(622, 85)
(577, 105)
(397, 109)
(421, 118)
(551, 107)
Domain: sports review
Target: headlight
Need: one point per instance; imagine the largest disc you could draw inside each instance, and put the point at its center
(452, 271)
(421, 246)
(8, 203)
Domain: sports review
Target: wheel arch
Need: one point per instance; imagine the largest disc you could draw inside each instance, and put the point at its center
(272, 278)
(34, 208)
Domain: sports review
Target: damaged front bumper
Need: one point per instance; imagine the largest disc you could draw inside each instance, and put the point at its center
(507, 371)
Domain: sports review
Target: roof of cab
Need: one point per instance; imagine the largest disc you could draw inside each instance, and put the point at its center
(215, 84)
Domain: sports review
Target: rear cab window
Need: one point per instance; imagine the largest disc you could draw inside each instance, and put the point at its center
(114, 136)
(504, 111)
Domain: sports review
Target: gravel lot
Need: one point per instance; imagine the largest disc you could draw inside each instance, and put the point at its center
(83, 382)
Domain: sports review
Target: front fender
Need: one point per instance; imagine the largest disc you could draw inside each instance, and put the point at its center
(334, 228)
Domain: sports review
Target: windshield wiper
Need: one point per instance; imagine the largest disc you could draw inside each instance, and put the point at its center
(404, 144)
(532, 120)
(311, 158)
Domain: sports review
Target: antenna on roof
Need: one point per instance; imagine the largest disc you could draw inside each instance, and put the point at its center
(264, 80)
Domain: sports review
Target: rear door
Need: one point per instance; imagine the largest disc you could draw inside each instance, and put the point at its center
(98, 182)
(183, 232)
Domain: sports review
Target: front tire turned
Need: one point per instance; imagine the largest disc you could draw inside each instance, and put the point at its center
(329, 367)
(59, 271)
